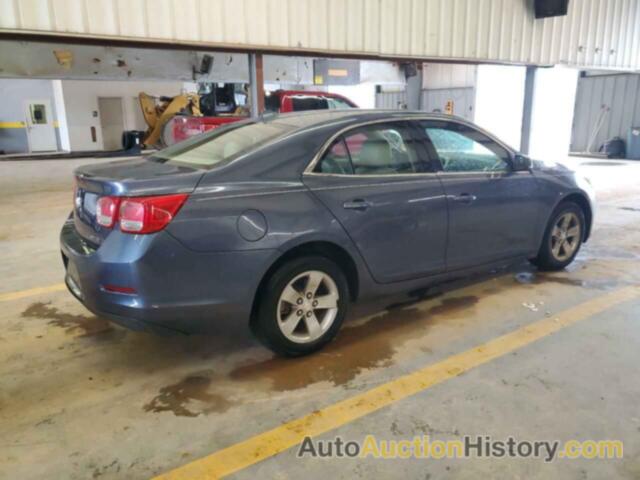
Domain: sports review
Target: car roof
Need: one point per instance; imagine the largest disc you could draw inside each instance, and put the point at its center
(314, 118)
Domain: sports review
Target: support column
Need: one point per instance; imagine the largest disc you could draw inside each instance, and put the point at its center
(256, 84)
(527, 110)
(414, 88)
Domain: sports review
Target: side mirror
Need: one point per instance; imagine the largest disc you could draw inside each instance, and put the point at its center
(521, 163)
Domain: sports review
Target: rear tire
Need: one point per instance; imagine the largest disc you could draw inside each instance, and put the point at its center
(302, 307)
(562, 238)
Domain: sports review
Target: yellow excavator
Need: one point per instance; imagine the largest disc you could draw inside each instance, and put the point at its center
(214, 105)
(158, 111)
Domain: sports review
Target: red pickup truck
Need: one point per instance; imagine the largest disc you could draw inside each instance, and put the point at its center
(182, 127)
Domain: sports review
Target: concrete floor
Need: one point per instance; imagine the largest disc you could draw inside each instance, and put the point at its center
(80, 398)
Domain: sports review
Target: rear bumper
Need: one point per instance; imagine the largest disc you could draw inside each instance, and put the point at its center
(176, 289)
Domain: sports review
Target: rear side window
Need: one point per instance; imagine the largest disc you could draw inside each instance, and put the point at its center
(336, 160)
(373, 150)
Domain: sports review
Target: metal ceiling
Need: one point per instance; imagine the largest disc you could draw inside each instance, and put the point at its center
(595, 33)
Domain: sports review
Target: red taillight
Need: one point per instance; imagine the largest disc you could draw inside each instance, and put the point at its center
(106, 211)
(139, 214)
(149, 214)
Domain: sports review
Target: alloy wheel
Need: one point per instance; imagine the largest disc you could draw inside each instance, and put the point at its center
(565, 236)
(308, 306)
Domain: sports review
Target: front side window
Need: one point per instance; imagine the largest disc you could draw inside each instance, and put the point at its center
(464, 149)
(374, 150)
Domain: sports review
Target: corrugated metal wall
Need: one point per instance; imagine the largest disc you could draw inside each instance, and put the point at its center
(435, 100)
(596, 33)
(391, 100)
(606, 106)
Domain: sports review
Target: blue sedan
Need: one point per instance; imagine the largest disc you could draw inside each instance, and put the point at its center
(281, 223)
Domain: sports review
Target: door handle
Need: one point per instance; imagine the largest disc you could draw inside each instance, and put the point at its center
(356, 204)
(464, 198)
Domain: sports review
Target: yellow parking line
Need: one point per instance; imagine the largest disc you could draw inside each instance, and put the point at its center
(5, 297)
(12, 125)
(270, 443)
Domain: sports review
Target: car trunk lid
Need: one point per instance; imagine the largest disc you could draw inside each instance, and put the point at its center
(126, 178)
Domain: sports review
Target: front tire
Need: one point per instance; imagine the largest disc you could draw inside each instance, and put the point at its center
(303, 306)
(562, 238)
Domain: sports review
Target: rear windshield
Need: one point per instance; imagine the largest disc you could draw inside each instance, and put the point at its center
(222, 145)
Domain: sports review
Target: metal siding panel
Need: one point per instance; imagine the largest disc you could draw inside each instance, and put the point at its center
(619, 27)
(636, 111)
(596, 33)
(416, 30)
(211, 22)
(69, 15)
(255, 24)
(387, 26)
(132, 15)
(635, 50)
(403, 27)
(102, 17)
(607, 100)
(605, 43)
(355, 25)
(630, 100)
(446, 28)
(234, 15)
(298, 15)
(277, 20)
(318, 35)
(160, 21)
(471, 29)
(458, 28)
(617, 104)
(35, 14)
(432, 23)
(629, 33)
(9, 17)
(336, 20)
(371, 21)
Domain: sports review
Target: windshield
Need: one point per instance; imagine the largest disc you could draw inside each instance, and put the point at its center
(223, 144)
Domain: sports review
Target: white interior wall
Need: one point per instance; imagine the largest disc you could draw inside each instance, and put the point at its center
(81, 105)
(554, 97)
(363, 95)
(499, 101)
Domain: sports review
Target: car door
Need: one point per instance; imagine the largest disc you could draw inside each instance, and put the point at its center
(378, 183)
(493, 210)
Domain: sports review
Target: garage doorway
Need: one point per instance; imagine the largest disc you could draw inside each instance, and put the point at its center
(112, 121)
(40, 128)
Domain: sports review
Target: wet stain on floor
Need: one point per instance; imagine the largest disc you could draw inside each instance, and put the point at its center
(356, 349)
(540, 278)
(604, 164)
(89, 326)
(188, 398)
